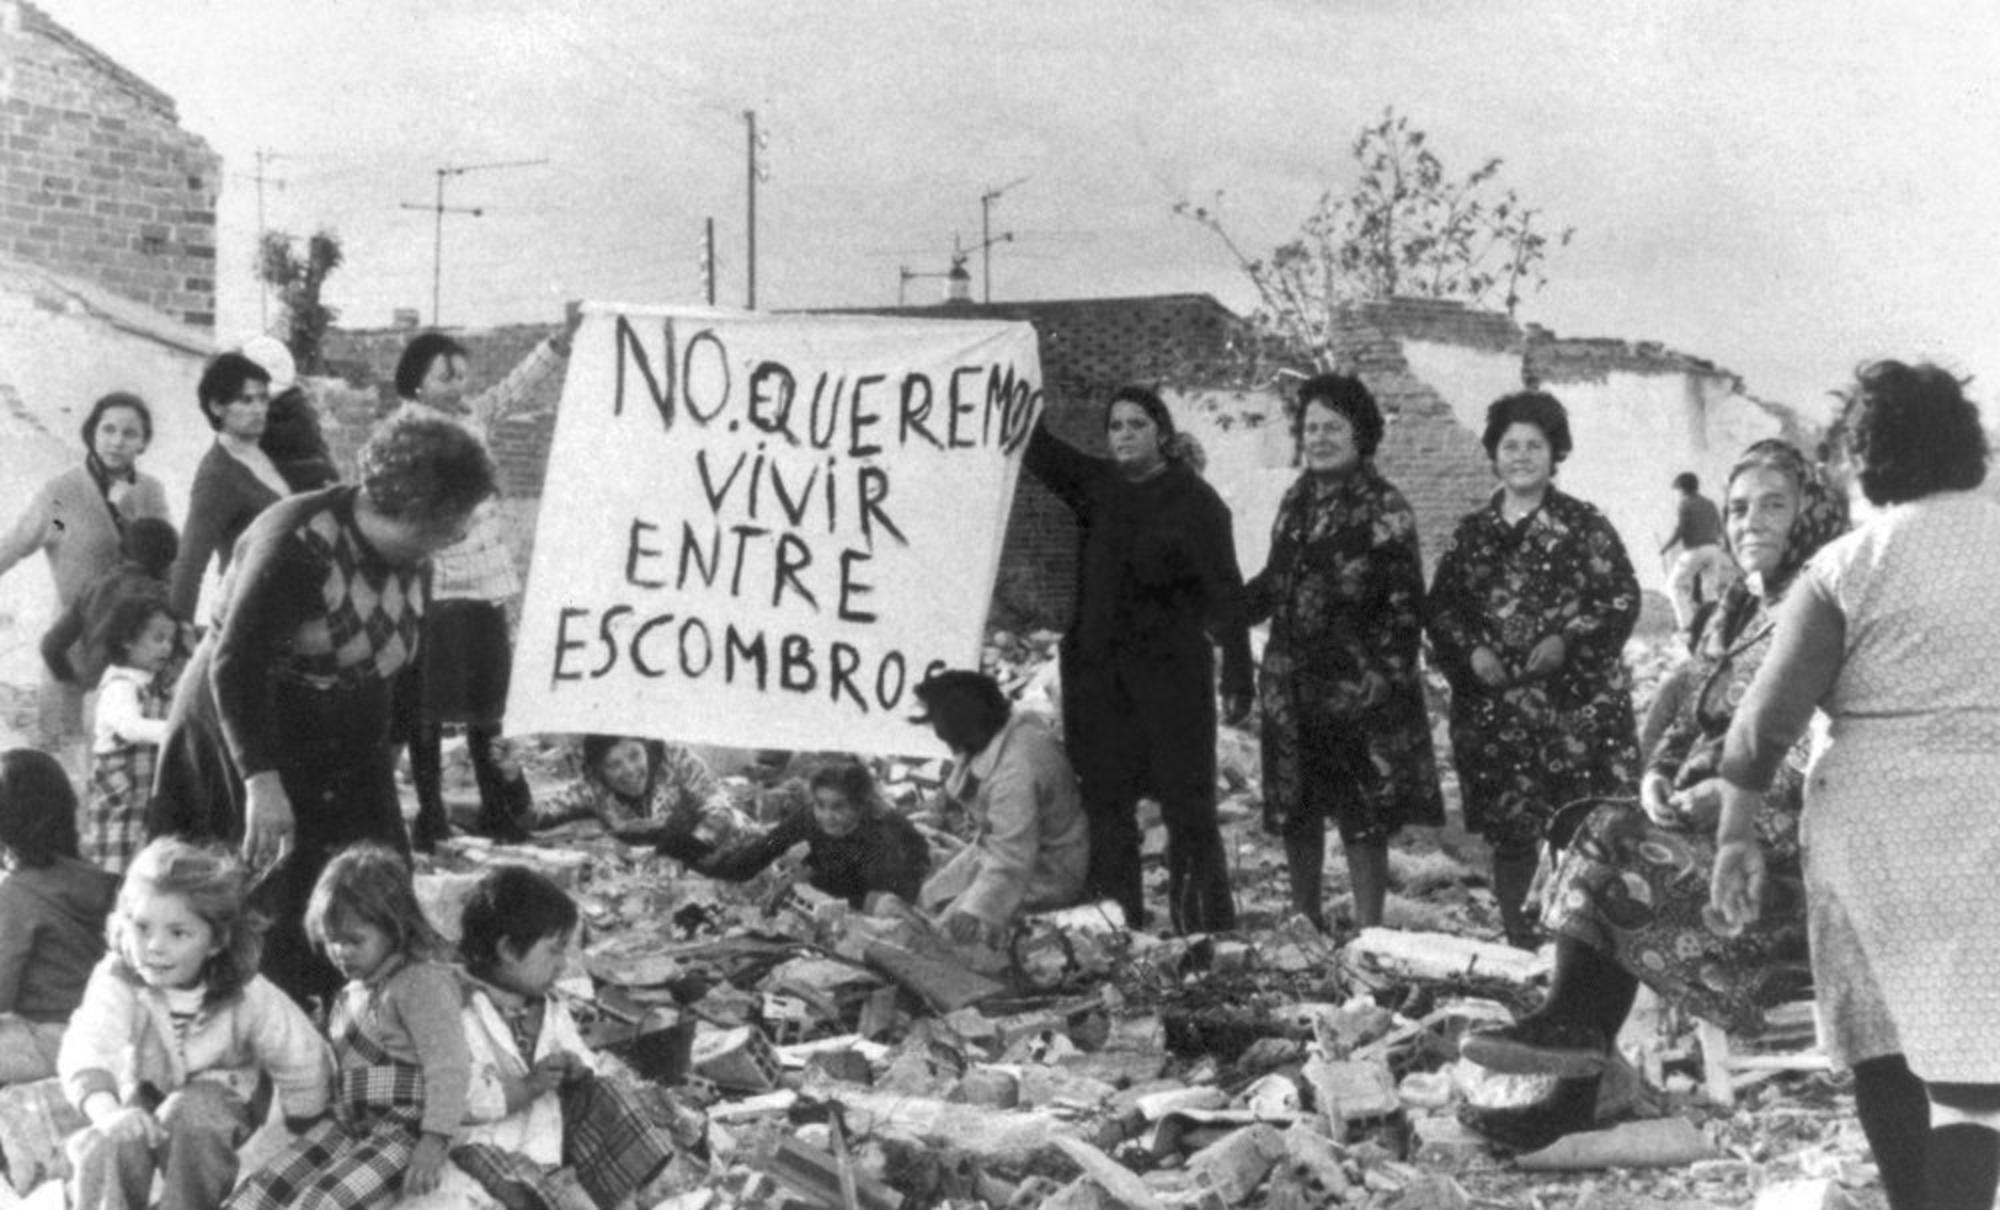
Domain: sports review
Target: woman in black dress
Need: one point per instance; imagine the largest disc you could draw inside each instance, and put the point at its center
(1157, 588)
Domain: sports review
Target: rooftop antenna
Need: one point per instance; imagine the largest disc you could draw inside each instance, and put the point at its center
(438, 210)
(986, 240)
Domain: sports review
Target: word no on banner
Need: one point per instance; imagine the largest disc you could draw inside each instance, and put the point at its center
(764, 530)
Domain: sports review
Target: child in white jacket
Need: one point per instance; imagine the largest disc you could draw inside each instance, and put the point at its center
(173, 1055)
(536, 1101)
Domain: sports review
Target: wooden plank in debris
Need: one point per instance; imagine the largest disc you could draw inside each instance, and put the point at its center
(1441, 956)
(822, 1179)
(945, 986)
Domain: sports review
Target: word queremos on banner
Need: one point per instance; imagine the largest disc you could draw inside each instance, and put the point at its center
(764, 530)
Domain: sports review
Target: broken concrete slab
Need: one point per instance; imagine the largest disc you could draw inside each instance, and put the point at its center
(1816, 1194)
(1348, 1091)
(1441, 1140)
(1235, 1165)
(1658, 1143)
(1437, 957)
(1316, 1162)
(1007, 1144)
(943, 985)
(1120, 1182)
(989, 1086)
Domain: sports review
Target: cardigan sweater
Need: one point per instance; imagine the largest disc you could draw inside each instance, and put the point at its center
(51, 935)
(123, 1036)
(70, 521)
(227, 496)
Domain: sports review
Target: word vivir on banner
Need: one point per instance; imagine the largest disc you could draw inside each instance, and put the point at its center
(763, 530)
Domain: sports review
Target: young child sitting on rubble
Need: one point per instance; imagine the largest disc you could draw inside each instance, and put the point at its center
(397, 1040)
(646, 791)
(856, 845)
(173, 1054)
(52, 910)
(536, 1100)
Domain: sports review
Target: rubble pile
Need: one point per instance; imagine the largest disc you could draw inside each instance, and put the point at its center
(805, 1054)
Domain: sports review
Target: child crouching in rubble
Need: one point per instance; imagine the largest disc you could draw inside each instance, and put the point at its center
(536, 1101)
(856, 844)
(646, 791)
(398, 1043)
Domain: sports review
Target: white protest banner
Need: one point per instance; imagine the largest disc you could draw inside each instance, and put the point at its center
(764, 530)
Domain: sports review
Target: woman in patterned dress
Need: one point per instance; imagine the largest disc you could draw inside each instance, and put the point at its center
(1345, 736)
(648, 791)
(1530, 610)
(279, 733)
(1628, 896)
(1890, 632)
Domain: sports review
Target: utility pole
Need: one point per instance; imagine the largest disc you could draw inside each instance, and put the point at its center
(264, 157)
(753, 173)
(986, 240)
(438, 210)
(708, 260)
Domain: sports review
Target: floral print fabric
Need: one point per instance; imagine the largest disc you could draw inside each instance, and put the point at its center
(1636, 890)
(1532, 744)
(1344, 589)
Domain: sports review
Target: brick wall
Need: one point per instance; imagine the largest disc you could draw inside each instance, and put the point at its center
(100, 181)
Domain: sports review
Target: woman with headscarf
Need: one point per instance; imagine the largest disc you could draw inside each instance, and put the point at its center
(1346, 739)
(1157, 586)
(1890, 633)
(1530, 609)
(77, 520)
(1629, 896)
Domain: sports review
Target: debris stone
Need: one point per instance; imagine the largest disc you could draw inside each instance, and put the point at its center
(1237, 1163)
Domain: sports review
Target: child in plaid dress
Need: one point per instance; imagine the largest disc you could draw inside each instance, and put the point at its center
(398, 1043)
(130, 724)
(536, 1100)
(173, 1054)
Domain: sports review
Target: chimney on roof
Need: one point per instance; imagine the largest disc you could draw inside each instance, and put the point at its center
(405, 319)
(958, 285)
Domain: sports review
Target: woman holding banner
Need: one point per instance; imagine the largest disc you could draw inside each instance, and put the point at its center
(1157, 583)
(279, 734)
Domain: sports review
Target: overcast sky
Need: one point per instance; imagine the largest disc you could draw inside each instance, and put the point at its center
(1783, 187)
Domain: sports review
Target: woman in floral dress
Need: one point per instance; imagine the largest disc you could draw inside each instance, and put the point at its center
(1345, 736)
(1627, 902)
(1530, 610)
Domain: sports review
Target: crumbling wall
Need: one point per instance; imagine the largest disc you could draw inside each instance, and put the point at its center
(100, 180)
